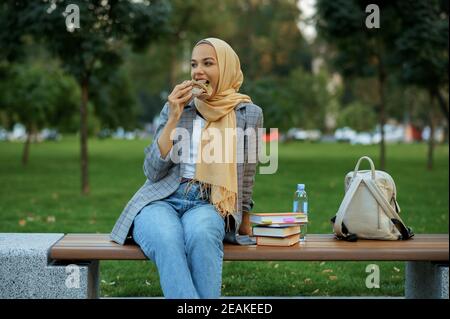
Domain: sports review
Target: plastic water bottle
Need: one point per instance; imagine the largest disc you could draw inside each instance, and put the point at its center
(301, 206)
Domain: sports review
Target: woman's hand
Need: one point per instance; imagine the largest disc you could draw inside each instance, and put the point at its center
(180, 95)
(178, 99)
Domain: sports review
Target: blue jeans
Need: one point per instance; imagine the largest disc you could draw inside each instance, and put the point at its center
(183, 234)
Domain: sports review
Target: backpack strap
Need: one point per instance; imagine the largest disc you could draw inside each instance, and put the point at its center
(350, 236)
(405, 231)
(343, 207)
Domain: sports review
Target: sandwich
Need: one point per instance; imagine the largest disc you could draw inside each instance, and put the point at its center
(201, 87)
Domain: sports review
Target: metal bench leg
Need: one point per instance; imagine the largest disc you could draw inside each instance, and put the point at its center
(93, 280)
(426, 280)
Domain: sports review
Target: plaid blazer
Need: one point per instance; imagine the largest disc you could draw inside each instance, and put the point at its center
(164, 176)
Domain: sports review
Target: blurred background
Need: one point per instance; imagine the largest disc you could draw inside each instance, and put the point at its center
(80, 98)
(313, 66)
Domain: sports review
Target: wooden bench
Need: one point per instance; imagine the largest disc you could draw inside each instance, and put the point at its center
(426, 255)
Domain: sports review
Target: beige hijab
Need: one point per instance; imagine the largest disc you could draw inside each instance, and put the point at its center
(220, 177)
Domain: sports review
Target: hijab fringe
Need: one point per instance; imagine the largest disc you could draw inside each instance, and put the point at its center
(226, 206)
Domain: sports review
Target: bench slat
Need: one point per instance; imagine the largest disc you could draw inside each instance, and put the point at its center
(427, 247)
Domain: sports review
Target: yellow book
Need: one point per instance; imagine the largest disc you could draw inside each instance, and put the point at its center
(277, 241)
(276, 231)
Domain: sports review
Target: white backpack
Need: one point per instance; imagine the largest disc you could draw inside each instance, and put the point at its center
(369, 209)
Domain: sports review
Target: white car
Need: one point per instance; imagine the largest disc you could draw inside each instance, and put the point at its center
(392, 134)
(3, 134)
(362, 138)
(18, 133)
(344, 134)
(304, 135)
(314, 135)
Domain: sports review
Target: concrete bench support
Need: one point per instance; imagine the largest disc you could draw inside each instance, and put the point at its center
(426, 280)
(27, 272)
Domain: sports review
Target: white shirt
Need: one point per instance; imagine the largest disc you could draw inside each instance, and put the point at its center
(189, 168)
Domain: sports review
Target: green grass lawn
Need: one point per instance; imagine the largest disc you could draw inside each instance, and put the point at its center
(45, 197)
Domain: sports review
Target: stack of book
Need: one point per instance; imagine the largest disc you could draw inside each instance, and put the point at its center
(277, 229)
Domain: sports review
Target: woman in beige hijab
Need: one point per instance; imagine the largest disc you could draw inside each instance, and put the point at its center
(186, 209)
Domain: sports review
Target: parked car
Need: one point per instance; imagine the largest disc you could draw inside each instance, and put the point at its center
(3, 134)
(290, 134)
(303, 135)
(121, 134)
(313, 135)
(50, 135)
(104, 133)
(328, 139)
(363, 138)
(18, 133)
(344, 134)
(439, 134)
(392, 134)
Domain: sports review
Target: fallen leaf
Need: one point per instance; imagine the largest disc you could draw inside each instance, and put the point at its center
(396, 269)
(51, 219)
(22, 222)
(108, 283)
(327, 270)
(148, 283)
(307, 281)
(315, 291)
(332, 277)
(276, 266)
(322, 263)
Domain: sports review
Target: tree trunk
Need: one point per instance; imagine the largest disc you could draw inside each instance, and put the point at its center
(442, 104)
(431, 138)
(84, 136)
(26, 147)
(382, 115)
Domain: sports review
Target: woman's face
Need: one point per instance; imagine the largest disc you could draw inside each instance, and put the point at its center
(204, 66)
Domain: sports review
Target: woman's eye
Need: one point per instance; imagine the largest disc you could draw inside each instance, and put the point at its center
(193, 65)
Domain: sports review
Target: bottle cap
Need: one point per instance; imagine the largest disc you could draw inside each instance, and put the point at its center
(300, 187)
